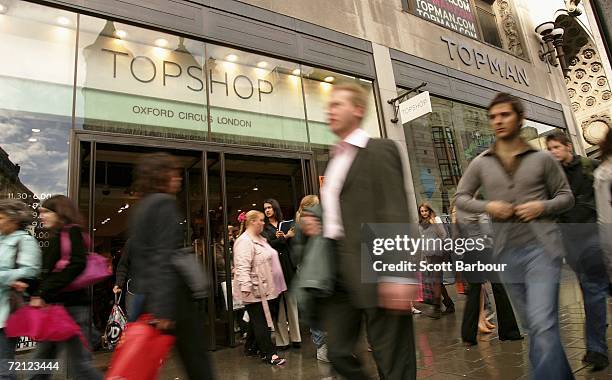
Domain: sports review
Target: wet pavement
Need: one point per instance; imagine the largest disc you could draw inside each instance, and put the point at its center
(440, 352)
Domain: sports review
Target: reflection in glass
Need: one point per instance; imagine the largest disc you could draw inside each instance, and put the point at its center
(442, 144)
(35, 100)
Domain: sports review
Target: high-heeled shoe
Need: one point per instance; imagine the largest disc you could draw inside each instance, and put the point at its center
(449, 307)
(490, 325)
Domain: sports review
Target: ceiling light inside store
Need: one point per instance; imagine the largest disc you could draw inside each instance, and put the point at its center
(326, 86)
(3, 8)
(161, 42)
(35, 130)
(255, 188)
(329, 79)
(32, 139)
(120, 33)
(63, 21)
(296, 72)
(254, 204)
(262, 64)
(231, 57)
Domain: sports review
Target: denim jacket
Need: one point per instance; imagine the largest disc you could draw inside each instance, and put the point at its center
(19, 259)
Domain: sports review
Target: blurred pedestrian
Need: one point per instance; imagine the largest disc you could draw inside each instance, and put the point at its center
(59, 215)
(583, 246)
(156, 235)
(19, 263)
(287, 321)
(258, 282)
(364, 183)
(526, 190)
(603, 198)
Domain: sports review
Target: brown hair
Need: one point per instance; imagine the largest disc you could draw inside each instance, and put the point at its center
(17, 211)
(65, 209)
(153, 172)
(505, 98)
(432, 213)
(359, 95)
(606, 145)
(559, 137)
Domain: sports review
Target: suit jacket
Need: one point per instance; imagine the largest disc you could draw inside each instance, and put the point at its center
(373, 192)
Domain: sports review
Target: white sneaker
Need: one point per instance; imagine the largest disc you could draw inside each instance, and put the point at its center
(416, 311)
(322, 353)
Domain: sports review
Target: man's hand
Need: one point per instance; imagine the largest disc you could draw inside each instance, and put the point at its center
(37, 302)
(19, 286)
(392, 296)
(163, 324)
(500, 210)
(116, 289)
(529, 211)
(311, 225)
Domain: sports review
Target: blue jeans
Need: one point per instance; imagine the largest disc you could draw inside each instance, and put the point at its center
(584, 255)
(318, 337)
(78, 357)
(7, 352)
(532, 281)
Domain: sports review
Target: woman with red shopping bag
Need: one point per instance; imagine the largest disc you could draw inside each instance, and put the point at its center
(164, 300)
(60, 217)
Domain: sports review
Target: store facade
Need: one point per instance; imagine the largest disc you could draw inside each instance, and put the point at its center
(238, 90)
(85, 96)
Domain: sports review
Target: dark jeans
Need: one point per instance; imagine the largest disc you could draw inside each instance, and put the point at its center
(506, 322)
(532, 280)
(78, 356)
(391, 336)
(7, 352)
(584, 255)
(259, 333)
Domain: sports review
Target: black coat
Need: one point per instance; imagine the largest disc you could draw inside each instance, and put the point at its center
(155, 236)
(281, 245)
(51, 283)
(581, 183)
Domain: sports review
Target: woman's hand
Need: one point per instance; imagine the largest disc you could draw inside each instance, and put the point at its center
(290, 234)
(19, 286)
(280, 235)
(116, 289)
(37, 302)
(163, 324)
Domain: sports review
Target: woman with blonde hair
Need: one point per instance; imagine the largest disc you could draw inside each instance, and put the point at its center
(258, 281)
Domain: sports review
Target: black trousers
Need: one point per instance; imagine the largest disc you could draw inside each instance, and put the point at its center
(390, 335)
(259, 334)
(506, 322)
(191, 339)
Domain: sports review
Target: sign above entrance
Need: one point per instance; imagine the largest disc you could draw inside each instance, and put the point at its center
(415, 107)
(456, 15)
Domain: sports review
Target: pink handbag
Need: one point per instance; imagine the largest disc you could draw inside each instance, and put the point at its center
(51, 323)
(97, 268)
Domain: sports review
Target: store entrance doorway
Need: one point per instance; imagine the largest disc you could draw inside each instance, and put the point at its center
(217, 187)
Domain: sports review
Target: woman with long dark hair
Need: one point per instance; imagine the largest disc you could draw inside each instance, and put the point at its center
(59, 215)
(156, 236)
(288, 326)
(430, 227)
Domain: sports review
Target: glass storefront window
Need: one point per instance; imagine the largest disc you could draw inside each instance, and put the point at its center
(442, 144)
(255, 100)
(36, 78)
(139, 81)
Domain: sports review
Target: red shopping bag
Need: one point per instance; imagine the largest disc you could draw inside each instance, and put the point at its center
(51, 323)
(141, 352)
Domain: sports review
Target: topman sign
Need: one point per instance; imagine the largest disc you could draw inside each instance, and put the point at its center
(472, 57)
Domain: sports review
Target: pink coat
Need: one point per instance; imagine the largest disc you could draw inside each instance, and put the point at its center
(255, 270)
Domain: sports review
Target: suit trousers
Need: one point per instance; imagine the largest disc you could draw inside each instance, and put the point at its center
(287, 329)
(390, 335)
(507, 325)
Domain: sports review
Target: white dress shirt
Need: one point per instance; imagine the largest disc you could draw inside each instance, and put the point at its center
(343, 155)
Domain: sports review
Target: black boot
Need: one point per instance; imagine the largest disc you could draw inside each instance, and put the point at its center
(449, 306)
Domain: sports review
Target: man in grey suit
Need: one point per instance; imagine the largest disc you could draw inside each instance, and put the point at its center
(364, 183)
